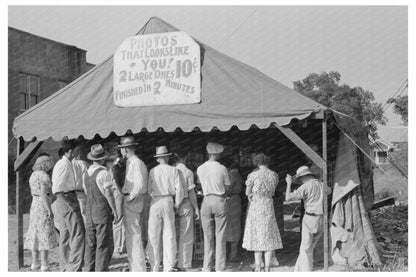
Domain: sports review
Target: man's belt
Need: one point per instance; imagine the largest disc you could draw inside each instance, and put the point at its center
(71, 192)
(213, 194)
(312, 214)
(40, 195)
(160, 196)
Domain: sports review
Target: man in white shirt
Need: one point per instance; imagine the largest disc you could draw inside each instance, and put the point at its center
(214, 182)
(167, 193)
(100, 211)
(80, 164)
(71, 225)
(311, 192)
(134, 190)
(186, 212)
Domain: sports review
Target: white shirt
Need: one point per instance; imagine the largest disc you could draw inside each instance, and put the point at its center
(103, 178)
(136, 177)
(312, 194)
(80, 167)
(164, 181)
(188, 178)
(63, 177)
(213, 177)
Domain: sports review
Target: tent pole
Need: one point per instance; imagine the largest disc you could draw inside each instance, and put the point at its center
(19, 205)
(325, 198)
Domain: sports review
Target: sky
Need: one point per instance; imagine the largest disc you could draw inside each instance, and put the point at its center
(367, 45)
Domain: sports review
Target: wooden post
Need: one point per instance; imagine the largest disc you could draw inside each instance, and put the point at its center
(305, 148)
(325, 179)
(19, 205)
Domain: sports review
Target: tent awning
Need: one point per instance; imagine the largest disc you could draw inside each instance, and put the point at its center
(233, 93)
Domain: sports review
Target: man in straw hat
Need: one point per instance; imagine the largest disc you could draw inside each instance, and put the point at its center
(167, 193)
(71, 225)
(215, 182)
(311, 192)
(134, 189)
(100, 209)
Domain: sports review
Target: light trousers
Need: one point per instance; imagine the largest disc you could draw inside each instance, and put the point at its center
(185, 234)
(118, 227)
(311, 233)
(214, 223)
(71, 235)
(82, 200)
(133, 232)
(162, 224)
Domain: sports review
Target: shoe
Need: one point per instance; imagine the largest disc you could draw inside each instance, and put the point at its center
(34, 267)
(44, 268)
(274, 262)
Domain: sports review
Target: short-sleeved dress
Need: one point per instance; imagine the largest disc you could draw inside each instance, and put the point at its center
(261, 232)
(41, 232)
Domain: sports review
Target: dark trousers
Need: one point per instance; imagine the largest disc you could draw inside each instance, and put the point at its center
(99, 246)
(71, 236)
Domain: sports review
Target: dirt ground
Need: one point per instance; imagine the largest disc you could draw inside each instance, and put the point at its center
(287, 256)
(395, 261)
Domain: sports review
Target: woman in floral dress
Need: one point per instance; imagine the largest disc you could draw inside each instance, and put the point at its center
(261, 233)
(41, 236)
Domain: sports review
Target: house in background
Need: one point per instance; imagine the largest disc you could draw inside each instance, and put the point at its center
(381, 151)
(392, 140)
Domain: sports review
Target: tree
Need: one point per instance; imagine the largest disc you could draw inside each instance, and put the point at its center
(325, 88)
(400, 107)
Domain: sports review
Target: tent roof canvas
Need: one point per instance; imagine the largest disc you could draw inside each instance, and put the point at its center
(232, 93)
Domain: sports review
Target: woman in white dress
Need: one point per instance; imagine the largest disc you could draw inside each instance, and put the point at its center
(41, 236)
(261, 233)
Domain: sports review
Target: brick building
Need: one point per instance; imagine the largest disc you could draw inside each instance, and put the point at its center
(37, 68)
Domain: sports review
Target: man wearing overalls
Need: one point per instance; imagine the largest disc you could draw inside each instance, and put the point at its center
(99, 212)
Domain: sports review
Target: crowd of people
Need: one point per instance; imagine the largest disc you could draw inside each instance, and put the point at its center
(113, 204)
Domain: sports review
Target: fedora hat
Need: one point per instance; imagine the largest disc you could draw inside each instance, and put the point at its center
(97, 153)
(302, 171)
(127, 141)
(214, 148)
(162, 151)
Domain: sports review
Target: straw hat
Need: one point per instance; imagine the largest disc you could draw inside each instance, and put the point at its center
(214, 148)
(97, 153)
(162, 151)
(302, 171)
(127, 141)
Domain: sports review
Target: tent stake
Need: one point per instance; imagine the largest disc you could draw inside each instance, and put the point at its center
(19, 205)
(325, 198)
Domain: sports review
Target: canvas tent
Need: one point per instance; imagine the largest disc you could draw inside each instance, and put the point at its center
(235, 98)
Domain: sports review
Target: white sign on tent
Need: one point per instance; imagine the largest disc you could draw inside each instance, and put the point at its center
(157, 69)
